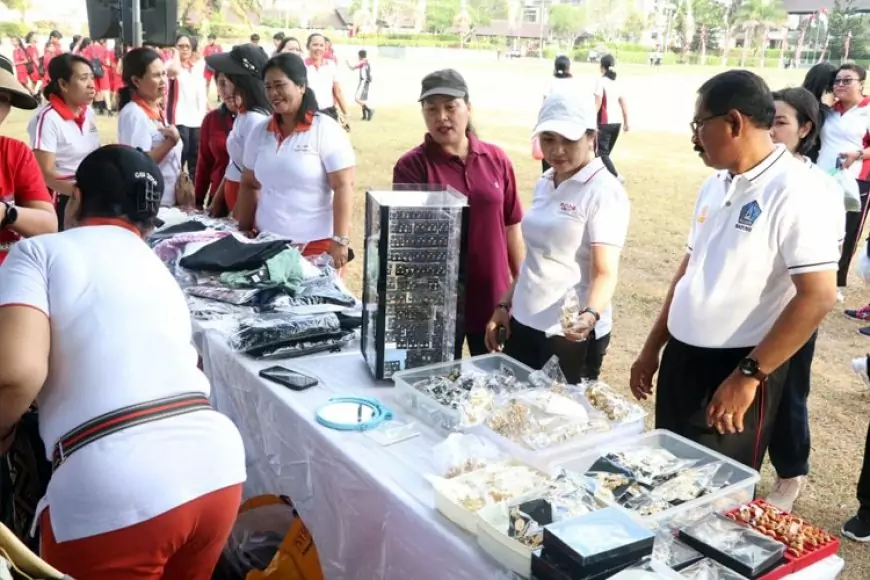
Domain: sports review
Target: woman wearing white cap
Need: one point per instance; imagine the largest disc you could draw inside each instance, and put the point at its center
(574, 232)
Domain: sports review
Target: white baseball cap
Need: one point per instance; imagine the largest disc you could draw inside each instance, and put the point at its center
(568, 114)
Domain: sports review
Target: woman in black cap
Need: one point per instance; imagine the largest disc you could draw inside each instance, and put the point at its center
(147, 476)
(242, 68)
(27, 210)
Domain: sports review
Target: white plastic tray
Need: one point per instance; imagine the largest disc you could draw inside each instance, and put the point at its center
(492, 523)
(741, 479)
(431, 411)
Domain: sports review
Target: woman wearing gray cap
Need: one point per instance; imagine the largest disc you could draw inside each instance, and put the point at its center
(452, 155)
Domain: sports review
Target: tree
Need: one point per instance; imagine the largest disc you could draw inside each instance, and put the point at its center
(759, 16)
(634, 26)
(440, 15)
(566, 21)
(482, 12)
(709, 22)
(842, 21)
(729, 21)
(22, 6)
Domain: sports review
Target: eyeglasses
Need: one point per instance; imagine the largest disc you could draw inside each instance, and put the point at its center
(698, 124)
(180, 46)
(844, 82)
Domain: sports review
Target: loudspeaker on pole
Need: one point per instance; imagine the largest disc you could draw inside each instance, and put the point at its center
(114, 19)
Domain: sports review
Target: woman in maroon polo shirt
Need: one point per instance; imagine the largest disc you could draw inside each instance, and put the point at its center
(213, 156)
(452, 155)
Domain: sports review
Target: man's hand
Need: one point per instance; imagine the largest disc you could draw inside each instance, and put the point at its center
(730, 402)
(643, 370)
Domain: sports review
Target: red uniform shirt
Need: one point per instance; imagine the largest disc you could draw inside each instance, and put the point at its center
(213, 156)
(21, 182)
(487, 178)
(20, 58)
(51, 51)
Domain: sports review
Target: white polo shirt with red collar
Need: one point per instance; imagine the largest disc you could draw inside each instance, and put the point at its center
(70, 138)
(322, 79)
(559, 229)
(846, 131)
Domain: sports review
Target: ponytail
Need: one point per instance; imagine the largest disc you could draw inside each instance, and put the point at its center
(607, 63)
(308, 106)
(52, 88)
(610, 73)
(125, 95)
(561, 74)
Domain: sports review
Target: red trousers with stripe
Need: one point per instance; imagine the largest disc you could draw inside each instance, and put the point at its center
(184, 543)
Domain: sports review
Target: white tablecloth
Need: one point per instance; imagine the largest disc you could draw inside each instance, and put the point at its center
(369, 508)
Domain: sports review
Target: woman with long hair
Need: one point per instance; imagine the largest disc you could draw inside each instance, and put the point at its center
(52, 49)
(819, 81)
(242, 69)
(141, 122)
(612, 109)
(187, 99)
(116, 82)
(289, 44)
(323, 78)
(213, 157)
(796, 125)
(64, 132)
(35, 68)
(147, 477)
(20, 60)
(298, 169)
(452, 155)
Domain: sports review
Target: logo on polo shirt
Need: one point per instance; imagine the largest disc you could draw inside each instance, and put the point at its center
(568, 208)
(702, 215)
(748, 214)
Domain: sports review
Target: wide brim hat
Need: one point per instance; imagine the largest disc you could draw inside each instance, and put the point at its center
(20, 97)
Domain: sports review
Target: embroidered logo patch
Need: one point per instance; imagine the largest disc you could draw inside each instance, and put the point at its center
(702, 215)
(748, 214)
(568, 208)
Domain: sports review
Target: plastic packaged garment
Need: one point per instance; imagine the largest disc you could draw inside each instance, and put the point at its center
(269, 331)
(283, 270)
(205, 309)
(326, 343)
(325, 289)
(269, 541)
(237, 296)
(171, 249)
(231, 254)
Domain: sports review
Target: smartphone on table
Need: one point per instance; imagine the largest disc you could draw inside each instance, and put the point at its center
(291, 379)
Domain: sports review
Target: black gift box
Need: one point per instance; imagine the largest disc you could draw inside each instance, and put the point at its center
(596, 542)
(739, 548)
(546, 566)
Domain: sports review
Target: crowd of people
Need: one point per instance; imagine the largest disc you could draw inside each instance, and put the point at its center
(767, 255)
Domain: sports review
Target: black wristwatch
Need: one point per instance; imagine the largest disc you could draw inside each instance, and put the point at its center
(504, 306)
(11, 215)
(748, 367)
(593, 312)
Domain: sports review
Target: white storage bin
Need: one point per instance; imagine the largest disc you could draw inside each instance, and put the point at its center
(546, 459)
(741, 480)
(492, 522)
(430, 411)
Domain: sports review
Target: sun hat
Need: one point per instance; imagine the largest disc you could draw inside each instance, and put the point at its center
(20, 97)
(243, 59)
(568, 114)
(445, 82)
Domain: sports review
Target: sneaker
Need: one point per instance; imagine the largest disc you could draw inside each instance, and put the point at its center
(786, 491)
(860, 366)
(859, 314)
(865, 331)
(856, 529)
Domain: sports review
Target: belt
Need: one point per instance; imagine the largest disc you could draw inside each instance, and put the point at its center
(124, 418)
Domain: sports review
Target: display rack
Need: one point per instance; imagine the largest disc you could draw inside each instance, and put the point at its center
(414, 277)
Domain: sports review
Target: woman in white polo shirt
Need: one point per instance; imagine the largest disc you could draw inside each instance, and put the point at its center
(187, 98)
(141, 123)
(612, 110)
(147, 476)
(323, 78)
(844, 141)
(574, 232)
(298, 168)
(65, 131)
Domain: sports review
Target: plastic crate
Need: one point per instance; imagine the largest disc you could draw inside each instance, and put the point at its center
(739, 489)
(430, 411)
(792, 564)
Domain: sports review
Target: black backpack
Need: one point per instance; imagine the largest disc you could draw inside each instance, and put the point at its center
(97, 66)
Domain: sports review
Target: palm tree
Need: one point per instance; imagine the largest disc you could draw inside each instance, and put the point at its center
(761, 16)
(730, 21)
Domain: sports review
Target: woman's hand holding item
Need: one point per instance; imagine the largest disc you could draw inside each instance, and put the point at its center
(501, 318)
(339, 254)
(579, 328)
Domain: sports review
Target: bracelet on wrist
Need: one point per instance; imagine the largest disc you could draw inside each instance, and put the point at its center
(506, 306)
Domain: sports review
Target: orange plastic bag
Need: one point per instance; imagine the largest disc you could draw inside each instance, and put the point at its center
(537, 154)
(296, 557)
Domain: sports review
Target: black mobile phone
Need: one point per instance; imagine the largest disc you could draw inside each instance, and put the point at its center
(290, 379)
(502, 336)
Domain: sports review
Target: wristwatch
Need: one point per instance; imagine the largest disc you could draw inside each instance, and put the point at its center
(341, 240)
(504, 306)
(593, 312)
(748, 367)
(11, 215)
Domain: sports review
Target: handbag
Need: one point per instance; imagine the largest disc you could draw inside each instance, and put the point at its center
(185, 197)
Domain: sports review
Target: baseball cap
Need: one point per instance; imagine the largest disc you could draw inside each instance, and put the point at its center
(243, 59)
(445, 82)
(568, 114)
(123, 178)
(19, 96)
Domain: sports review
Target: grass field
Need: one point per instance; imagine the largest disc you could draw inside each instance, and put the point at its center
(662, 176)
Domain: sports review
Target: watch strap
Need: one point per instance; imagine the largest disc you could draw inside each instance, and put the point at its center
(10, 216)
(593, 312)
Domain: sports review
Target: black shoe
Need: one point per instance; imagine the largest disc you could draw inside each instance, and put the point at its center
(857, 529)
(371, 114)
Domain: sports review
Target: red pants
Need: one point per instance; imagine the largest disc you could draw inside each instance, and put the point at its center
(183, 544)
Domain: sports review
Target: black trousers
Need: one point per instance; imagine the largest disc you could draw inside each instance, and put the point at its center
(864, 482)
(578, 360)
(190, 152)
(476, 342)
(608, 133)
(60, 207)
(790, 442)
(854, 225)
(688, 378)
(331, 111)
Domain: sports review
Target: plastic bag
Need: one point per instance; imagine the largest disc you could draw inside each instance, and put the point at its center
(550, 377)
(392, 431)
(614, 406)
(851, 195)
(650, 466)
(266, 332)
(269, 541)
(863, 267)
(459, 454)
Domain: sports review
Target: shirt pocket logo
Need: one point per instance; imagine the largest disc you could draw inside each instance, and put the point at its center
(569, 209)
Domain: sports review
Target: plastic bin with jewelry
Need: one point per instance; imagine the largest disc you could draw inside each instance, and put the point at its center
(458, 394)
(666, 479)
(413, 278)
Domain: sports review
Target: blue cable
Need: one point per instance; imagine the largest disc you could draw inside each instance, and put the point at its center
(380, 413)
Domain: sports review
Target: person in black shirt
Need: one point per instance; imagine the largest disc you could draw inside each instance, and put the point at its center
(365, 80)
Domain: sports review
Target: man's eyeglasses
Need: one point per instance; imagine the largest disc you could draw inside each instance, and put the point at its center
(698, 124)
(845, 82)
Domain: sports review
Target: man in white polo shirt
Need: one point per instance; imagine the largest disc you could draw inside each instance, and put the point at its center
(758, 277)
